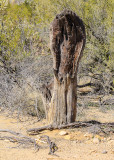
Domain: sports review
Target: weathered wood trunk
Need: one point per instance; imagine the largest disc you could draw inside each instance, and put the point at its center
(63, 103)
(67, 36)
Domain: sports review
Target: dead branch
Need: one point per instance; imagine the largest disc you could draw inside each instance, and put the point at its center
(33, 131)
(53, 147)
(12, 132)
(75, 125)
(22, 139)
(18, 140)
(51, 127)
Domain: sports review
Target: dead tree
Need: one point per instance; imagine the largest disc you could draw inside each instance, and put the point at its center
(67, 36)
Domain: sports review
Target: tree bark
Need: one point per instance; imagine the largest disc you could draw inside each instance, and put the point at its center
(67, 37)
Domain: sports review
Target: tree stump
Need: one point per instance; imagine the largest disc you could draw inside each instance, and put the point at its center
(67, 36)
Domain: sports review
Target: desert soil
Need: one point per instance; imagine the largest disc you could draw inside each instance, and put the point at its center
(77, 144)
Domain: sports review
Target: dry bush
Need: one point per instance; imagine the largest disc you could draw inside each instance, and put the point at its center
(20, 89)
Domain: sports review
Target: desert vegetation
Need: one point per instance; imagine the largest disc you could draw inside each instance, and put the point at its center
(26, 63)
(35, 78)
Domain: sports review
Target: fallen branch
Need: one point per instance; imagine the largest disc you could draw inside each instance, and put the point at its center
(22, 139)
(13, 132)
(52, 127)
(37, 130)
(33, 131)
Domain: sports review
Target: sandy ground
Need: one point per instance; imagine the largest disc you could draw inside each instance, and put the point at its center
(78, 144)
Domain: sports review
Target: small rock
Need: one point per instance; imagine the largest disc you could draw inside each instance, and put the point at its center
(63, 133)
(95, 140)
(104, 152)
(68, 137)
